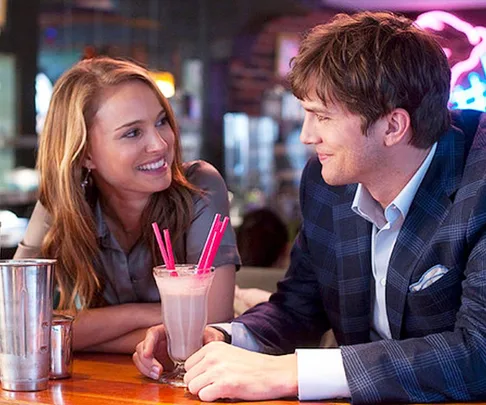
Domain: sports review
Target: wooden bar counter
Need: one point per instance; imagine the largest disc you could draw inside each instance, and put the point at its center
(102, 379)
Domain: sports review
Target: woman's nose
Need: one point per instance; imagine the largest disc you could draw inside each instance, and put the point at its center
(156, 142)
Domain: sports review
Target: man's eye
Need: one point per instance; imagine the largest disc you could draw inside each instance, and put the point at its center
(321, 118)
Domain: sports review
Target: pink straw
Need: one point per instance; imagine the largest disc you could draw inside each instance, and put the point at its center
(207, 244)
(214, 236)
(168, 244)
(215, 243)
(158, 236)
(168, 263)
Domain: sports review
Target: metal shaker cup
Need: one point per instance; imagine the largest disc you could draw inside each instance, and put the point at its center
(61, 347)
(25, 323)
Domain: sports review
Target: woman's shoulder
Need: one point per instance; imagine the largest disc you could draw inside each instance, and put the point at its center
(203, 175)
(39, 224)
(40, 215)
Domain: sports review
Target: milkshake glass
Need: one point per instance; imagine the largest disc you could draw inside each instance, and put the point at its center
(183, 297)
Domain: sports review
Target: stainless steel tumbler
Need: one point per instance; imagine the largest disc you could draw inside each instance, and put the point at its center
(61, 347)
(25, 323)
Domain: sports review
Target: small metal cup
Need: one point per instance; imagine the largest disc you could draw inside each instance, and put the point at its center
(61, 347)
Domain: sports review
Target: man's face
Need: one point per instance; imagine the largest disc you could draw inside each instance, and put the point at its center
(346, 154)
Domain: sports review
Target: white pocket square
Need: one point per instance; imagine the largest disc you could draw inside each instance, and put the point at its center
(429, 277)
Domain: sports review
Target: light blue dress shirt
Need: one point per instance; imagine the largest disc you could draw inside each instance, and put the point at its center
(386, 226)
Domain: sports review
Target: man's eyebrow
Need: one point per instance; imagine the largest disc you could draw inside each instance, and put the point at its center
(314, 109)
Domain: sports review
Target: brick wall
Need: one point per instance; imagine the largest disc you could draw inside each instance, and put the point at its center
(252, 67)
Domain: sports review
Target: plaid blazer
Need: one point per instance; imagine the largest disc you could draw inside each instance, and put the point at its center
(438, 346)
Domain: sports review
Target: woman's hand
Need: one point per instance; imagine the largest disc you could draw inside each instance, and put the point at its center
(151, 356)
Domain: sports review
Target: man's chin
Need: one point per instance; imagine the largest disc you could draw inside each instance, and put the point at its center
(333, 180)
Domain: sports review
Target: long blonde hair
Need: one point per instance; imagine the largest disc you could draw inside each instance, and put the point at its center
(72, 237)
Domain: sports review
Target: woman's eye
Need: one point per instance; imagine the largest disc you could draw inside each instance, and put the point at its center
(161, 122)
(132, 133)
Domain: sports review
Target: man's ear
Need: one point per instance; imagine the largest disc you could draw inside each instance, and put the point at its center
(398, 127)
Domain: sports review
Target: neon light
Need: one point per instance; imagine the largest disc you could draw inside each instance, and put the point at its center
(448, 52)
(473, 97)
(437, 20)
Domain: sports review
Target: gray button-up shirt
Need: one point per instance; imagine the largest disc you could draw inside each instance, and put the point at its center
(128, 277)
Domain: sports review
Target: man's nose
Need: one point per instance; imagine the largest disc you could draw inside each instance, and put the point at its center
(307, 134)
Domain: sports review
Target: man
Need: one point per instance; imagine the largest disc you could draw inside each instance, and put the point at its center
(392, 250)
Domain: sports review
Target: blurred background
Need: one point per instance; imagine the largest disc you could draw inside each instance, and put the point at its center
(222, 63)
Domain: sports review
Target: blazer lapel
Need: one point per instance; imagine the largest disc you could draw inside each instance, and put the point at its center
(353, 253)
(428, 210)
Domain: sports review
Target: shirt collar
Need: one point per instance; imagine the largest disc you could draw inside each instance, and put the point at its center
(101, 227)
(367, 207)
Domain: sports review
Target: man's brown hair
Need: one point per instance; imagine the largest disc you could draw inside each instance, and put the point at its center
(372, 63)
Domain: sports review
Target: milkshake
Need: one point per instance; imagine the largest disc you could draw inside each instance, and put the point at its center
(183, 298)
(184, 317)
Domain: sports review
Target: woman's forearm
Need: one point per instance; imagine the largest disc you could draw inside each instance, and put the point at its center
(122, 344)
(116, 328)
(221, 295)
(100, 325)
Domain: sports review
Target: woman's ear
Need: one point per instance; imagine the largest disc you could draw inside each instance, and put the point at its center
(398, 129)
(88, 162)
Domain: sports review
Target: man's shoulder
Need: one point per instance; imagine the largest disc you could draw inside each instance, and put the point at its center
(473, 126)
(468, 121)
(463, 158)
(312, 170)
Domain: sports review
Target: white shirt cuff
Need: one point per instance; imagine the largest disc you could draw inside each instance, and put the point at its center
(226, 326)
(321, 374)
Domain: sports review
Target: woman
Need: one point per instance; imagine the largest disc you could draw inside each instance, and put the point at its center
(110, 165)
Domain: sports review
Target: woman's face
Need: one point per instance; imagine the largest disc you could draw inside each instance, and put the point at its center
(131, 144)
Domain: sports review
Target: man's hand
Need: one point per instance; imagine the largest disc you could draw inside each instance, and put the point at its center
(151, 356)
(219, 370)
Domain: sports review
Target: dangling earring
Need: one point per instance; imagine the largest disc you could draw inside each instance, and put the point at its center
(85, 181)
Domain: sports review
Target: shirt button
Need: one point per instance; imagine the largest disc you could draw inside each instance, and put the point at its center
(383, 281)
